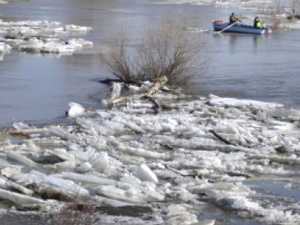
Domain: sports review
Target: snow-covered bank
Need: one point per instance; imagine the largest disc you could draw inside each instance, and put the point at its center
(251, 4)
(43, 37)
(192, 154)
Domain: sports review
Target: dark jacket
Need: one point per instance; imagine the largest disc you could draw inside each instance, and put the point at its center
(233, 18)
(257, 22)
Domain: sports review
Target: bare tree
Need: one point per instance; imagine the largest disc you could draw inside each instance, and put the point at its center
(170, 50)
(118, 59)
(294, 8)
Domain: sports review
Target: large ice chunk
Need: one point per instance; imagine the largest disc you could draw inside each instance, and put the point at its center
(146, 174)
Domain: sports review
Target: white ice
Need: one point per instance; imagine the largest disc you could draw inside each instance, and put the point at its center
(75, 110)
(207, 148)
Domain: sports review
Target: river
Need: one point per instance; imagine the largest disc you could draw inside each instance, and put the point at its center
(37, 89)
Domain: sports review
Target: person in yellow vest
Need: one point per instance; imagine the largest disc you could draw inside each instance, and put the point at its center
(257, 22)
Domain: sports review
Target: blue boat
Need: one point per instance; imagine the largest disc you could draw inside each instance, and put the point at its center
(222, 26)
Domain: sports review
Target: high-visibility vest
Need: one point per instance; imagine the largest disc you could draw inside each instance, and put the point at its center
(259, 24)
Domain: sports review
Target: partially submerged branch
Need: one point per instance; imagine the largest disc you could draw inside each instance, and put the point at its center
(221, 138)
(160, 82)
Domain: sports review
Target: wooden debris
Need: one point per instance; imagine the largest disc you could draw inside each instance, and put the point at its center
(221, 138)
(160, 82)
(5, 133)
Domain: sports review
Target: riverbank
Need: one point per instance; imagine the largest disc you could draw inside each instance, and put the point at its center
(193, 154)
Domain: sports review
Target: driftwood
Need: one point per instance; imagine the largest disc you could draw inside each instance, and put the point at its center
(160, 82)
(5, 133)
(19, 133)
(221, 138)
(110, 81)
(179, 172)
(10, 132)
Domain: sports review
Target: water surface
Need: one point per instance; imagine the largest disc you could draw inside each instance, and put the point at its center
(38, 89)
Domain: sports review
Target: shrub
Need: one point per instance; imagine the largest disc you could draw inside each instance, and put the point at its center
(169, 50)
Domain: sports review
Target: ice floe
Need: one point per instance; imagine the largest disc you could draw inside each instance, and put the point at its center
(75, 110)
(146, 174)
(43, 37)
(194, 152)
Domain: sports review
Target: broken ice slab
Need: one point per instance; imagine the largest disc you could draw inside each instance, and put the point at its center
(43, 37)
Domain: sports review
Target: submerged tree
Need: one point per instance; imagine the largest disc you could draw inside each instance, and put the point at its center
(170, 50)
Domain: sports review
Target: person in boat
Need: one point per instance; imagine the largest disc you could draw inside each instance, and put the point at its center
(258, 23)
(233, 18)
